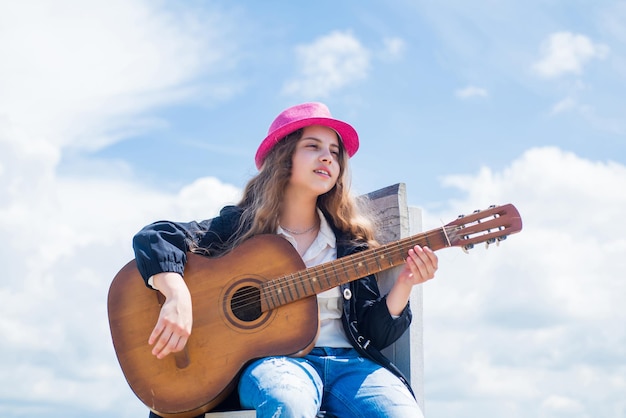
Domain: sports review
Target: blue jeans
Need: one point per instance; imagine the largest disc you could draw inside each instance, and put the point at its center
(335, 380)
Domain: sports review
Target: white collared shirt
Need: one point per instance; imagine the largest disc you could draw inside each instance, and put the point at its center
(330, 302)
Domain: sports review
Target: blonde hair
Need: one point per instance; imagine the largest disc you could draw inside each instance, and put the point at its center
(262, 198)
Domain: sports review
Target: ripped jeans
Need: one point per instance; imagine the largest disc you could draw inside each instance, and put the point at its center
(335, 380)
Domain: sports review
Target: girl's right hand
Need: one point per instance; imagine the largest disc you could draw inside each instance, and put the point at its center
(173, 327)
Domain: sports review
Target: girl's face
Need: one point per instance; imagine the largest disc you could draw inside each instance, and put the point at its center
(316, 160)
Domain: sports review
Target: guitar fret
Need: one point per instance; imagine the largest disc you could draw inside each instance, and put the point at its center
(345, 271)
(330, 285)
(307, 279)
(401, 252)
(312, 284)
(291, 298)
(273, 300)
(314, 280)
(287, 289)
(356, 266)
(280, 290)
(335, 275)
(385, 258)
(297, 284)
(377, 260)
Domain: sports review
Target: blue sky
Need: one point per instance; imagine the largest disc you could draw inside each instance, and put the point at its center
(115, 114)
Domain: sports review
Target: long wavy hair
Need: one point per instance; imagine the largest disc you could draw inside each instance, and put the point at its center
(262, 198)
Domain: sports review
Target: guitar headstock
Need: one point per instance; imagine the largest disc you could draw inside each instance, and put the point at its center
(491, 225)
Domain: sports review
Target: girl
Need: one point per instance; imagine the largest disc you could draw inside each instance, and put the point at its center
(300, 193)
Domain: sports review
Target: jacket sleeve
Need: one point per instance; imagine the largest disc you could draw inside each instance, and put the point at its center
(369, 317)
(162, 246)
(373, 317)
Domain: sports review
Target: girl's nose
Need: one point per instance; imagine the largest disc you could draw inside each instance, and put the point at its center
(326, 155)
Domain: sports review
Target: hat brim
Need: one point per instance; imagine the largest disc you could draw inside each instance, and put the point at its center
(347, 134)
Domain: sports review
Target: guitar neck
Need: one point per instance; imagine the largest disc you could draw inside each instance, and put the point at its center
(315, 280)
(488, 226)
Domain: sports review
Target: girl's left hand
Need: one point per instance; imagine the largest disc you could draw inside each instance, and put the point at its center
(421, 265)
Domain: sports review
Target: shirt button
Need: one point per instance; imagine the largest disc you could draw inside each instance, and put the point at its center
(347, 294)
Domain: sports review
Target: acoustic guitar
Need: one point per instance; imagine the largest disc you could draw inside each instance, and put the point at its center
(258, 300)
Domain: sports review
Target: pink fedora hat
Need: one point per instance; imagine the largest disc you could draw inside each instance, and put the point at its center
(300, 116)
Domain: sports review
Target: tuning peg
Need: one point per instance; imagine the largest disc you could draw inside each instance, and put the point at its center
(467, 247)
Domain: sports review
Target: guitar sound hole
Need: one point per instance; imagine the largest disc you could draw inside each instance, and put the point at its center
(246, 303)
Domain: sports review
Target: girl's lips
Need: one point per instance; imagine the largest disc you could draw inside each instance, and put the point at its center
(323, 172)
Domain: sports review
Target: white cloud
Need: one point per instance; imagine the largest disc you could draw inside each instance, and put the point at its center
(205, 196)
(564, 105)
(590, 114)
(471, 91)
(329, 63)
(95, 67)
(394, 48)
(80, 76)
(566, 52)
(562, 405)
(514, 324)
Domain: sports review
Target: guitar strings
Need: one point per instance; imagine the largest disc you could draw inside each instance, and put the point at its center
(296, 280)
(330, 270)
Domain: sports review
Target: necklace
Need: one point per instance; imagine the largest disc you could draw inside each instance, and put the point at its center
(292, 232)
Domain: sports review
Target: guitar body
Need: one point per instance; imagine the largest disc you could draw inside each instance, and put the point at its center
(226, 335)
